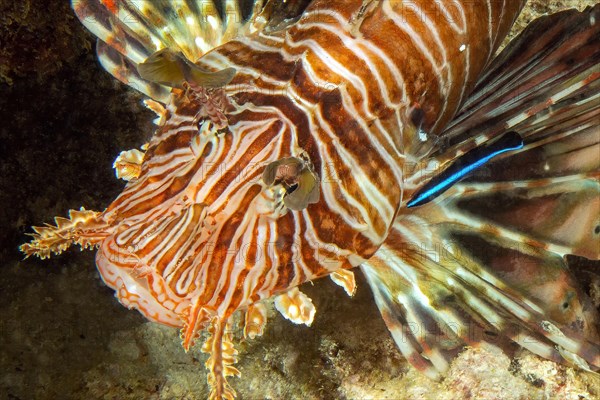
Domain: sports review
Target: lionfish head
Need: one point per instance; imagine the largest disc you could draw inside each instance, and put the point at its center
(226, 210)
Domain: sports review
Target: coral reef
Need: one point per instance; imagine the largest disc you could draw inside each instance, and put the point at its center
(65, 336)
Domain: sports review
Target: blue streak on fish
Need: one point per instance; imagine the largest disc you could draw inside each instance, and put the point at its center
(465, 165)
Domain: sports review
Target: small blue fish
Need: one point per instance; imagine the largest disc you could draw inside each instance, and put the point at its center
(463, 166)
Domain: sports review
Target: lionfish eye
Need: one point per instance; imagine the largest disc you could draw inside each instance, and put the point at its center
(282, 170)
(297, 178)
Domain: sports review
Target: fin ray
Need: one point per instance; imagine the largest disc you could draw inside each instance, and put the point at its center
(131, 31)
(485, 260)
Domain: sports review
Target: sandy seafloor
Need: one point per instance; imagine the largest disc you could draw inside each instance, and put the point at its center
(62, 333)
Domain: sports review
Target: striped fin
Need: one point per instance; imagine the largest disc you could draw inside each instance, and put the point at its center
(130, 31)
(539, 84)
(549, 92)
(126, 71)
(485, 260)
(555, 176)
(543, 86)
(439, 289)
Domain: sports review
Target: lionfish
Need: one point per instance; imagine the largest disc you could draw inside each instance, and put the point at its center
(299, 139)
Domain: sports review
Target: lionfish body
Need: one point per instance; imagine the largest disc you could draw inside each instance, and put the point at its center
(301, 163)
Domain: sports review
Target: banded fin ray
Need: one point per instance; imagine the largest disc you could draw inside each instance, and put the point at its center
(436, 296)
(550, 189)
(129, 32)
(538, 85)
(559, 164)
(486, 258)
(126, 71)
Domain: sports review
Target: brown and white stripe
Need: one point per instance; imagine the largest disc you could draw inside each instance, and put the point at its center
(338, 87)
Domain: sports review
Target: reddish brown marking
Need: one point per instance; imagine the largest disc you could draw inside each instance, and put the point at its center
(540, 183)
(110, 6)
(115, 43)
(591, 78)
(168, 256)
(217, 266)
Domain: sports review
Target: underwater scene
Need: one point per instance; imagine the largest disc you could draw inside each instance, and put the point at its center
(300, 199)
